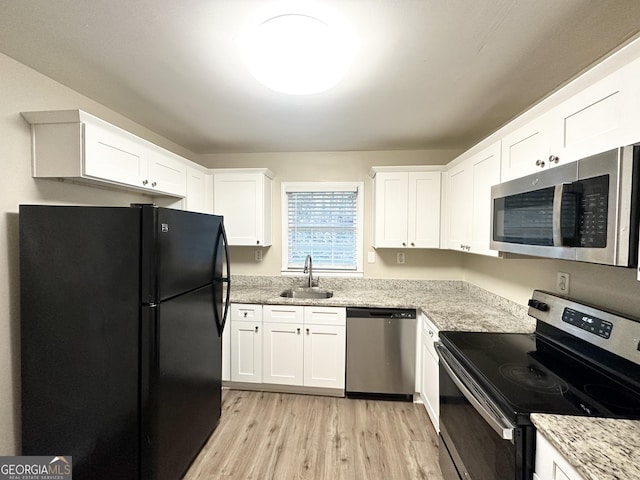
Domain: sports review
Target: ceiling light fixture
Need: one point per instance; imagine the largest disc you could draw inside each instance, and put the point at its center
(300, 48)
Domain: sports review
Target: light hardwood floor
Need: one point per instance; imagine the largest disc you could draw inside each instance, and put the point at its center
(277, 436)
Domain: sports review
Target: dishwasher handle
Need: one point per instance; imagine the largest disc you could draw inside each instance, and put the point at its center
(358, 312)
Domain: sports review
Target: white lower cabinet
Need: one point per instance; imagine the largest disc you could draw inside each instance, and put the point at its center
(299, 346)
(550, 464)
(325, 343)
(282, 346)
(246, 343)
(429, 384)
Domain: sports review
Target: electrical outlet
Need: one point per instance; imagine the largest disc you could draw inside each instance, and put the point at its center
(562, 283)
(400, 258)
(258, 255)
(371, 257)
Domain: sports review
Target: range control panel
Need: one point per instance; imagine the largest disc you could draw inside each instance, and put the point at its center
(589, 323)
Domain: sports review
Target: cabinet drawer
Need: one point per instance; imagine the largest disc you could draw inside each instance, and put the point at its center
(325, 316)
(282, 313)
(246, 312)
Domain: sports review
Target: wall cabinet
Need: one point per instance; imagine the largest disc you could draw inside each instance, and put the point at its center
(406, 207)
(595, 119)
(429, 382)
(74, 145)
(199, 190)
(468, 201)
(243, 197)
(246, 343)
(550, 464)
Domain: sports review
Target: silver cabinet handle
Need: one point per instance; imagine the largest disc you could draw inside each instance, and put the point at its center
(430, 333)
(298, 331)
(308, 331)
(144, 182)
(404, 244)
(554, 158)
(256, 329)
(244, 314)
(153, 184)
(540, 163)
(413, 244)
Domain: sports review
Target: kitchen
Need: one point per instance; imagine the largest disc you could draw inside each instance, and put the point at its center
(24, 89)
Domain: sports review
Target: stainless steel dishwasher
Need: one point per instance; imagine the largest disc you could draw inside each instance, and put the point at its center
(381, 351)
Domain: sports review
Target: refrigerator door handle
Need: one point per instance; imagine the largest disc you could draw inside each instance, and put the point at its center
(222, 279)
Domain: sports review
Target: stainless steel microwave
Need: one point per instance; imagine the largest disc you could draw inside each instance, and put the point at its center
(585, 210)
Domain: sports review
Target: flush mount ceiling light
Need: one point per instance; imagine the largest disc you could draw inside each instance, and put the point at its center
(299, 48)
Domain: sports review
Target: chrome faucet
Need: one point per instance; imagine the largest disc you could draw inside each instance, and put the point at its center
(308, 267)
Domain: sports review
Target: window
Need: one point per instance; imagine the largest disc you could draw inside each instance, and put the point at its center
(323, 220)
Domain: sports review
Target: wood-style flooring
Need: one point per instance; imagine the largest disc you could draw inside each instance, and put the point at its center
(278, 436)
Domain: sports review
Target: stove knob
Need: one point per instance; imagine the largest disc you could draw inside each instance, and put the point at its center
(538, 305)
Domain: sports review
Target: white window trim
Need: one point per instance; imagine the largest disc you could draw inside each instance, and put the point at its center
(323, 187)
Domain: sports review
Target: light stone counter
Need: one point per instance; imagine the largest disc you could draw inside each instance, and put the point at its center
(598, 448)
(450, 305)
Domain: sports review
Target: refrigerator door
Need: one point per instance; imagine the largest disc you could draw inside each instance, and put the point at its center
(181, 374)
(178, 251)
(79, 329)
(221, 279)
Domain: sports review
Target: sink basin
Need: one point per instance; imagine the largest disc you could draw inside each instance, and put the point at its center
(306, 292)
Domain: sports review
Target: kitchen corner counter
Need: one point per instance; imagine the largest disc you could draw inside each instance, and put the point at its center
(598, 448)
(450, 305)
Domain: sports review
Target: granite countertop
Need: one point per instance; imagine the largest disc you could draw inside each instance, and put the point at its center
(450, 305)
(598, 448)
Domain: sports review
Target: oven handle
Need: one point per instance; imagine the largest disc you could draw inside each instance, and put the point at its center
(500, 426)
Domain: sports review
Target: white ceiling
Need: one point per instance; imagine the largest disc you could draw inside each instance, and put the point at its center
(428, 74)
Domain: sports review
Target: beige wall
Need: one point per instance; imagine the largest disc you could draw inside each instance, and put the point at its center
(23, 89)
(515, 278)
(341, 166)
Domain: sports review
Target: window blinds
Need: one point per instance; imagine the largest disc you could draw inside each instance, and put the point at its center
(323, 224)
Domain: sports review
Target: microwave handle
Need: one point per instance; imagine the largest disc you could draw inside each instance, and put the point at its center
(557, 215)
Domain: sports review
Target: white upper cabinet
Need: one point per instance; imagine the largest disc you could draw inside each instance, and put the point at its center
(75, 145)
(597, 118)
(526, 150)
(468, 201)
(243, 197)
(199, 190)
(406, 207)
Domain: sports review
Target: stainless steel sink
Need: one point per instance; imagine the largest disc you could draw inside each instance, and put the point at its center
(306, 292)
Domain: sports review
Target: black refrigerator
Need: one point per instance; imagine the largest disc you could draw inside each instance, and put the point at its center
(122, 312)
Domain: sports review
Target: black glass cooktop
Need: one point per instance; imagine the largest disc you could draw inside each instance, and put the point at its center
(525, 374)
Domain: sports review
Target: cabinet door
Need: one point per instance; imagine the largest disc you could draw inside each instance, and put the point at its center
(458, 207)
(324, 356)
(112, 156)
(167, 173)
(430, 389)
(282, 353)
(526, 150)
(240, 198)
(423, 223)
(485, 172)
(246, 352)
(550, 464)
(390, 210)
(599, 118)
(196, 199)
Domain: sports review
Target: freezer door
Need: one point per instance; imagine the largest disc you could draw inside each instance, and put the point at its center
(181, 374)
(178, 252)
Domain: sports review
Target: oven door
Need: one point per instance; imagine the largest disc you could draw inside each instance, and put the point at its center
(477, 441)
